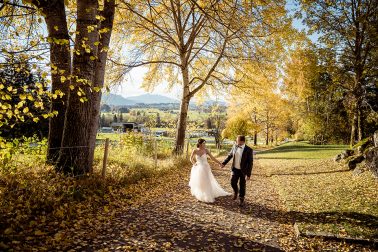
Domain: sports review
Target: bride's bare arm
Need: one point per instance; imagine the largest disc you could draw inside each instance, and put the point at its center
(192, 157)
(212, 157)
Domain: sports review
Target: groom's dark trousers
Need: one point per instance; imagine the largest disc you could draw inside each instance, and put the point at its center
(236, 176)
(246, 164)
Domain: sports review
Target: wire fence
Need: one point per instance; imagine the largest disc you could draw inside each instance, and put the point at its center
(114, 147)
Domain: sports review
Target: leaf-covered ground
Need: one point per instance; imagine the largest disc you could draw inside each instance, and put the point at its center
(324, 196)
(159, 214)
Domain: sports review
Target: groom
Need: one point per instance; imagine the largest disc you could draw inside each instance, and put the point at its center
(242, 162)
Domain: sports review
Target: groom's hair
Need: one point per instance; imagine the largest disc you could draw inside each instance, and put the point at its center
(241, 138)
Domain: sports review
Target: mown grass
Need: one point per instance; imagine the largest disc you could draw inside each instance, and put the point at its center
(322, 195)
(302, 150)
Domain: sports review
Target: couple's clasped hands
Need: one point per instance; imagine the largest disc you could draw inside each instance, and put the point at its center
(222, 166)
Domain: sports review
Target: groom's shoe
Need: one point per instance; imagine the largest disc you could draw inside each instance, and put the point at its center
(241, 204)
(235, 196)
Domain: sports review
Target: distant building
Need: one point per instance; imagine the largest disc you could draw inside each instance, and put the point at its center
(106, 130)
(160, 133)
(212, 132)
(127, 127)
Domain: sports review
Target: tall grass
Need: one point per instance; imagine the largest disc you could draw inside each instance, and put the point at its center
(33, 196)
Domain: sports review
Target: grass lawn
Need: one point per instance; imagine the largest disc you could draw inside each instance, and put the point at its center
(323, 196)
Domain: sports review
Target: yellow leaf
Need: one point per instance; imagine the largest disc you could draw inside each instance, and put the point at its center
(58, 236)
(62, 79)
(8, 231)
(56, 28)
(92, 57)
(9, 113)
(25, 110)
(39, 233)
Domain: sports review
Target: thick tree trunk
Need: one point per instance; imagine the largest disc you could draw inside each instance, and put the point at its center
(353, 132)
(75, 153)
(359, 124)
(181, 127)
(60, 59)
(108, 14)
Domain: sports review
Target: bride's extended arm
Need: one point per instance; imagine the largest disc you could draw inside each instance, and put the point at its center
(192, 157)
(212, 157)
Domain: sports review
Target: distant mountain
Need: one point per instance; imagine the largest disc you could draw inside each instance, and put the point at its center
(208, 103)
(116, 100)
(152, 99)
(119, 100)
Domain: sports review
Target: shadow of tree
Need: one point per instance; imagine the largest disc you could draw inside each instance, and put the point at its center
(302, 148)
(290, 217)
(297, 173)
(151, 229)
(286, 158)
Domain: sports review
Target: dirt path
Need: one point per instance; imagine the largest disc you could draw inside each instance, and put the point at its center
(175, 221)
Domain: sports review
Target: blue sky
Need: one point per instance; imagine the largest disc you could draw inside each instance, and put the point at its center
(132, 84)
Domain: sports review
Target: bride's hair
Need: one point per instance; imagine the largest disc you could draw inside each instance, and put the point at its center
(200, 141)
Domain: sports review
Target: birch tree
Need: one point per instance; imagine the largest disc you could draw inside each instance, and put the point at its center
(77, 64)
(197, 44)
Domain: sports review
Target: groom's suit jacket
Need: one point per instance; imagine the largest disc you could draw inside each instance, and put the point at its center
(246, 162)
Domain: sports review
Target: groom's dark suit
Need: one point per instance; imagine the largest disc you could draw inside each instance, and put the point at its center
(239, 171)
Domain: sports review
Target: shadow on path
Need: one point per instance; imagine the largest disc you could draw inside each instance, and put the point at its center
(275, 215)
(153, 228)
(298, 173)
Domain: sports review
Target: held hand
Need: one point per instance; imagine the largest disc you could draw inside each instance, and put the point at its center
(221, 165)
(247, 178)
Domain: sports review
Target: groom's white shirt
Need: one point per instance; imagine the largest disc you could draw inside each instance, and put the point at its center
(238, 155)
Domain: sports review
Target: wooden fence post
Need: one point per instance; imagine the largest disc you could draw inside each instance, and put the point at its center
(155, 148)
(187, 147)
(105, 160)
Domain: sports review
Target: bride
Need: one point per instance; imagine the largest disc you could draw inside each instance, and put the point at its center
(202, 183)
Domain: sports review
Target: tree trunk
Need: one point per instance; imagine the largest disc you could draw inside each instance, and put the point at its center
(60, 58)
(255, 132)
(75, 153)
(276, 138)
(359, 124)
(108, 14)
(353, 129)
(181, 126)
(267, 129)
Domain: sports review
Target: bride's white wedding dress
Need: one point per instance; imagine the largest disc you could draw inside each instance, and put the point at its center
(203, 184)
